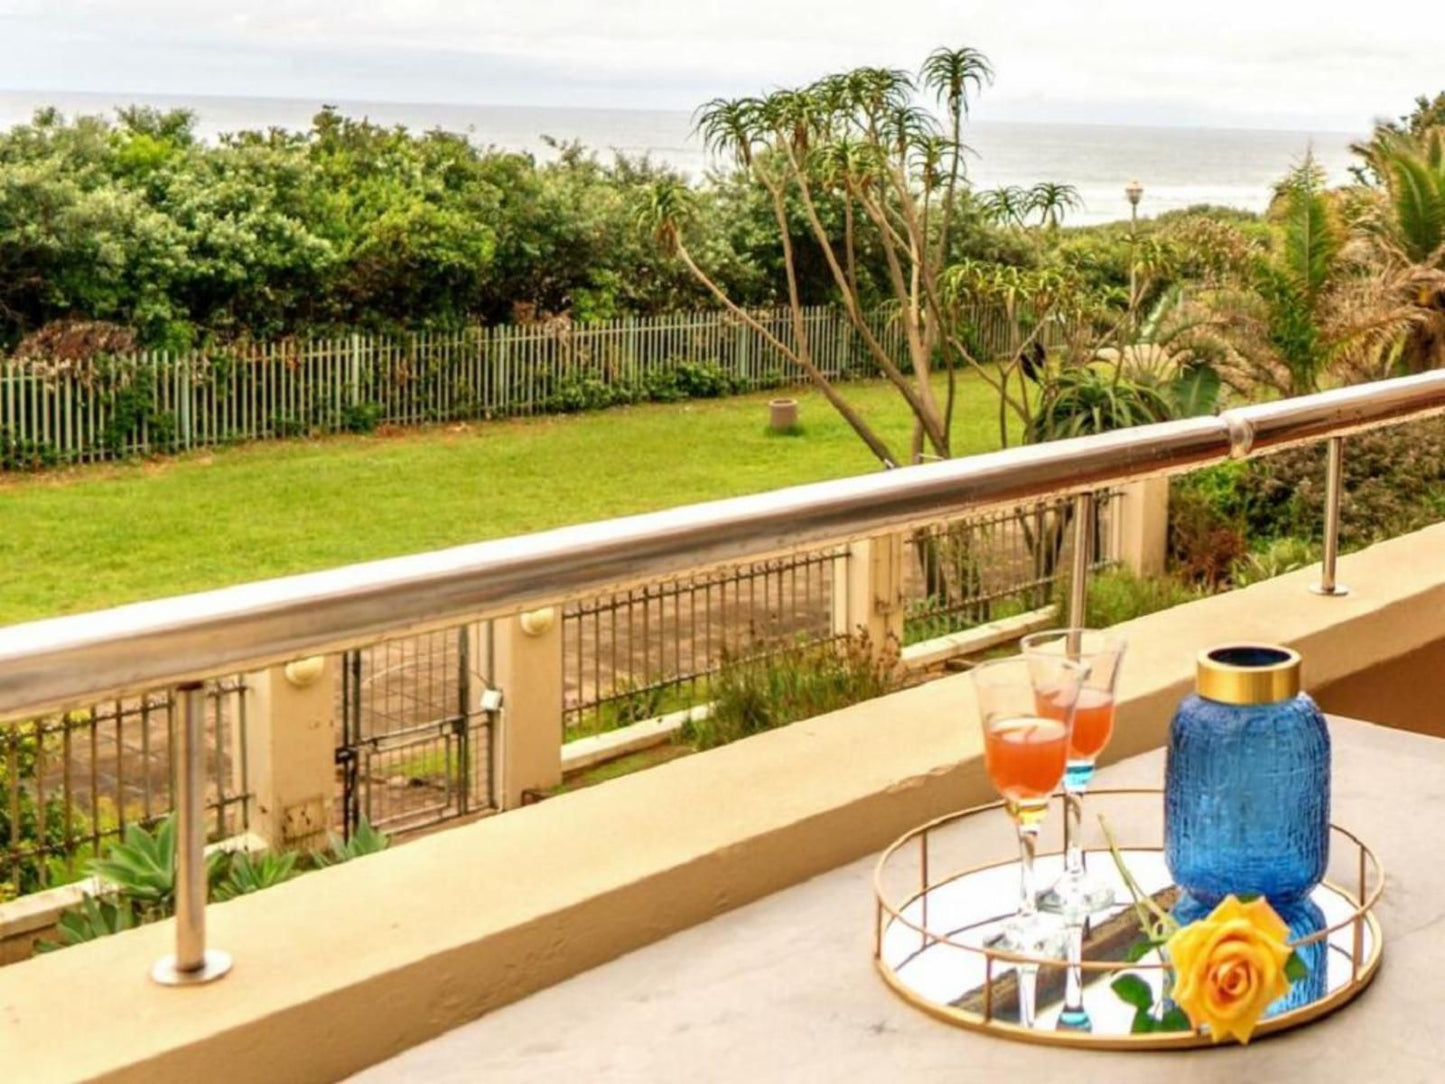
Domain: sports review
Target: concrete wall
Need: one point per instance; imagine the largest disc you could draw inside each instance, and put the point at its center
(1407, 692)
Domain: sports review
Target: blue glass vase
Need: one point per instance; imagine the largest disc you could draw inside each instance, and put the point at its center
(1247, 782)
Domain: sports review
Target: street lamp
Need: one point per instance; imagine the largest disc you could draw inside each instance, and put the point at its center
(1135, 192)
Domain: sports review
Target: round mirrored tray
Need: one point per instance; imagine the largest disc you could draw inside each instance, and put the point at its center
(947, 887)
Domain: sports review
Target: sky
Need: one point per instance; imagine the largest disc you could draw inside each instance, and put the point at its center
(1318, 66)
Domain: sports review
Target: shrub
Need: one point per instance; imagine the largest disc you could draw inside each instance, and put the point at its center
(1278, 557)
(361, 417)
(1118, 595)
(1394, 483)
(21, 813)
(26, 455)
(771, 685)
(1204, 540)
(703, 380)
(584, 392)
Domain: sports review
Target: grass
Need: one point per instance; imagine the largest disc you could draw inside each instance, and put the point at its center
(102, 536)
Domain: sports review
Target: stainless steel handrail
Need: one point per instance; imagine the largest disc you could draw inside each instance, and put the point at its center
(179, 641)
(68, 660)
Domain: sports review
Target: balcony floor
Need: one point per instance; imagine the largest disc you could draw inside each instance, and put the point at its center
(730, 1001)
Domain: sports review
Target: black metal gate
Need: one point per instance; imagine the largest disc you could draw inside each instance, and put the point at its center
(413, 747)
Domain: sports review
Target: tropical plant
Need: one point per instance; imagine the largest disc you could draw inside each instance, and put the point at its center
(249, 872)
(93, 918)
(1279, 319)
(364, 840)
(1084, 401)
(142, 867)
(1400, 298)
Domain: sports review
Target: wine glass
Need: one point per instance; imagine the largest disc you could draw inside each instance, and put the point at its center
(1025, 752)
(1075, 893)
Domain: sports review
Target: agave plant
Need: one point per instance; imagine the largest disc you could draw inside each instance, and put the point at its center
(249, 872)
(95, 917)
(364, 840)
(1084, 400)
(142, 867)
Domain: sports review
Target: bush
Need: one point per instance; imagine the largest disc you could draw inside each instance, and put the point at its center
(703, 380)
(1394, 483)
(361, 417)
(1280, 556)
(769, 686)
(1205, 538)
(1119, 595)
(572, 394)
(26, 455)
(20, 812)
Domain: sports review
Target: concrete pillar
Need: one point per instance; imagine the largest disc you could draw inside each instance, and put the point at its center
(1142, 526)
(868, 590)
(291, 752)
(528, 670)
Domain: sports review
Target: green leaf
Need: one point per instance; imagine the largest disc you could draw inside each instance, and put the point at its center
(1133, 990)
(1138, 950)
(1176, 1019)
(1143, 1023)
(1295, 967)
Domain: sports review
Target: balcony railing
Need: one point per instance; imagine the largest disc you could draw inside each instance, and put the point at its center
(179, 642)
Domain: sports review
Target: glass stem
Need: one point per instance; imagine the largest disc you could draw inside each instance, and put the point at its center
(1028, 976)
(1028, 826)
(1076, 783)
(1028, 821)
(1074, 1017)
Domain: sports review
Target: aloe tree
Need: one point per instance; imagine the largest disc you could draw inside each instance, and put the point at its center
(855, 147)
(1052, 201)
(1008, 205)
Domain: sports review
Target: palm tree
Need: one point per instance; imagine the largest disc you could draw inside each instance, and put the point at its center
(1401, 302)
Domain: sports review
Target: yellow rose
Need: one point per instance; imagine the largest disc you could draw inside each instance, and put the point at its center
(1229, 967)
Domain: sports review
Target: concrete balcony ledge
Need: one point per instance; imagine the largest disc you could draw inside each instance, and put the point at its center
(343, 968)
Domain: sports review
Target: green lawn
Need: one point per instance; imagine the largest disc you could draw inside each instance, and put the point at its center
(102, 536)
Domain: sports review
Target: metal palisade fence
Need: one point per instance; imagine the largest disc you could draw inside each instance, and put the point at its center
(157, 402)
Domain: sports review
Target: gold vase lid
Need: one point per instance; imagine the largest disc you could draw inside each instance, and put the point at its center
(1248, 674)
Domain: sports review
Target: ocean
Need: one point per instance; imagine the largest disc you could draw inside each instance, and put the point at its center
(1178, 167)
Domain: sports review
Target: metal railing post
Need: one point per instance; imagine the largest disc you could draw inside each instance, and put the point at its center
(1083, 558)
(192, 963)
(1334, 484)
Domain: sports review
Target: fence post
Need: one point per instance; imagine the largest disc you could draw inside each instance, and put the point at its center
(868, 591)
(353, 372)
(528, 670)
(1141, 518)
(291, 752)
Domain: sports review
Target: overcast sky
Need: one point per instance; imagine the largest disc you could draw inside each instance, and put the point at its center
(1320, 65)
